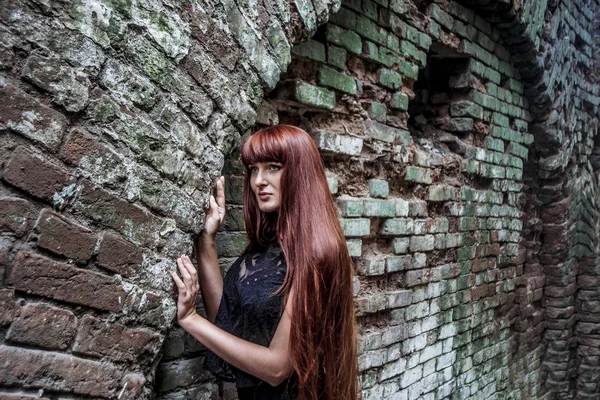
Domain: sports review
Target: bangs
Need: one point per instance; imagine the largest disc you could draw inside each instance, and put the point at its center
(264, 146)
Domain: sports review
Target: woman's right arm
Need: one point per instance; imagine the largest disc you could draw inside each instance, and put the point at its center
(209, 274)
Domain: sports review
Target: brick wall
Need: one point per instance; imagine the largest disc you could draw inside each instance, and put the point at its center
(115, 121)
(460, 144)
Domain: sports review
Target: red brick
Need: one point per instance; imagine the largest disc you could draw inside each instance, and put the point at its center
(7, 306)
(43, 325)
(35, 175)
(3, 259)
(45, 277)
(23, 114)
(64, 237)
(57, 372)
(134, 222)
(80, 145)
(118, 255)
(14, 215)
(98, 338)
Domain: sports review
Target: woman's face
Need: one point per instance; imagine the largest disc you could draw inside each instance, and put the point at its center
(265, 180)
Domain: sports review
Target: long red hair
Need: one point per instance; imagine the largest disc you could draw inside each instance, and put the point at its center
(319, 268)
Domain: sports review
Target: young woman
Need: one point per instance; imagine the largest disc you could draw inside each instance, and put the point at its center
(281, 324)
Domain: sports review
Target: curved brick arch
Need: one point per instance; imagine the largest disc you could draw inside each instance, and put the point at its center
(553, 48)
(116, 118)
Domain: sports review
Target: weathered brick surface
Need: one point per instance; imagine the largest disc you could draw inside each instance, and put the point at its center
(35, 175)
(8, 307)
(53, 229)
(42, 276)
(133, 221)
(24, 114)
(118, 255)
(99, 338)
(59, 372)
(45, 326)
(15, 214)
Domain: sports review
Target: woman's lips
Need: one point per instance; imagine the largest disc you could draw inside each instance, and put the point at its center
(264, 196)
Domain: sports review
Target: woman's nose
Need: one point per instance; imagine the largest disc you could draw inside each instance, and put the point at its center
(259, 179)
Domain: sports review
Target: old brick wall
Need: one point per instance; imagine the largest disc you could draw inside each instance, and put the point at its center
(116, 117)
(458, 138)
(460, 143)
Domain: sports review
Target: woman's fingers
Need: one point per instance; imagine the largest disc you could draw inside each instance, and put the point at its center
(178, 282)
(221, 193)
(187, 263)
(183, 271)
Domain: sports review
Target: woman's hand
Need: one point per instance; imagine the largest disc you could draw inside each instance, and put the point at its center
(187, 286)
(216, 212)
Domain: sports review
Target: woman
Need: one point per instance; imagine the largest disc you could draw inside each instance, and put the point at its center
(282, 322)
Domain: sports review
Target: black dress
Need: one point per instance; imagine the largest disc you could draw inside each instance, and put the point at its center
(251, 311)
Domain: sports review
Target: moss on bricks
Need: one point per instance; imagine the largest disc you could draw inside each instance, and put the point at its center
(336, 56)
(343, 38)
(314, 96)
(337, 80)
(390, 79)
(399, 101)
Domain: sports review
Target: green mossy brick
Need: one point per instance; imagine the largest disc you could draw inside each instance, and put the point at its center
(370, 30)
(337, 80)
(393, 42)
(419, 175)
(333, 182)
(494, 76)
(465, 30)
(398, 6)
(310, 49)
(500, 120)
(351, 207)
(435, 30)
(442, 193)
(356, 227)
(494, 144)
(442, 17)
(518, 150)
(377, 111)
(400, 245)
(385, 133)
(354, 247)
(467, 193)
(514, 173)
(409, 69)
(399, 101)
(465, 108)
(314, 96)
(397, 227)
(424, 41)
(343, 38)
(389, 78)
(409, 49)
(336, 56)
(379, 188)
(344, 18)
(369, 9)
(380, 208)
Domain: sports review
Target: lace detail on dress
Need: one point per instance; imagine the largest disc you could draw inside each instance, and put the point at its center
(248, 308)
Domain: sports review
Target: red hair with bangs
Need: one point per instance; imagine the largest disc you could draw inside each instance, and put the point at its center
(319, 268)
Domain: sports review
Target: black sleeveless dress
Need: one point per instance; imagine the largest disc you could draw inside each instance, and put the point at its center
(251, 311)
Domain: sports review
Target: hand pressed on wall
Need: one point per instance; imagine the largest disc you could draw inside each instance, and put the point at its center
(216, 211)
(187, 288)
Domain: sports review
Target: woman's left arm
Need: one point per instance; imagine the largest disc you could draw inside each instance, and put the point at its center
(270, 364)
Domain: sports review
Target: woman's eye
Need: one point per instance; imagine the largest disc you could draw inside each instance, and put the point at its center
(275, 167)
(253, 169)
